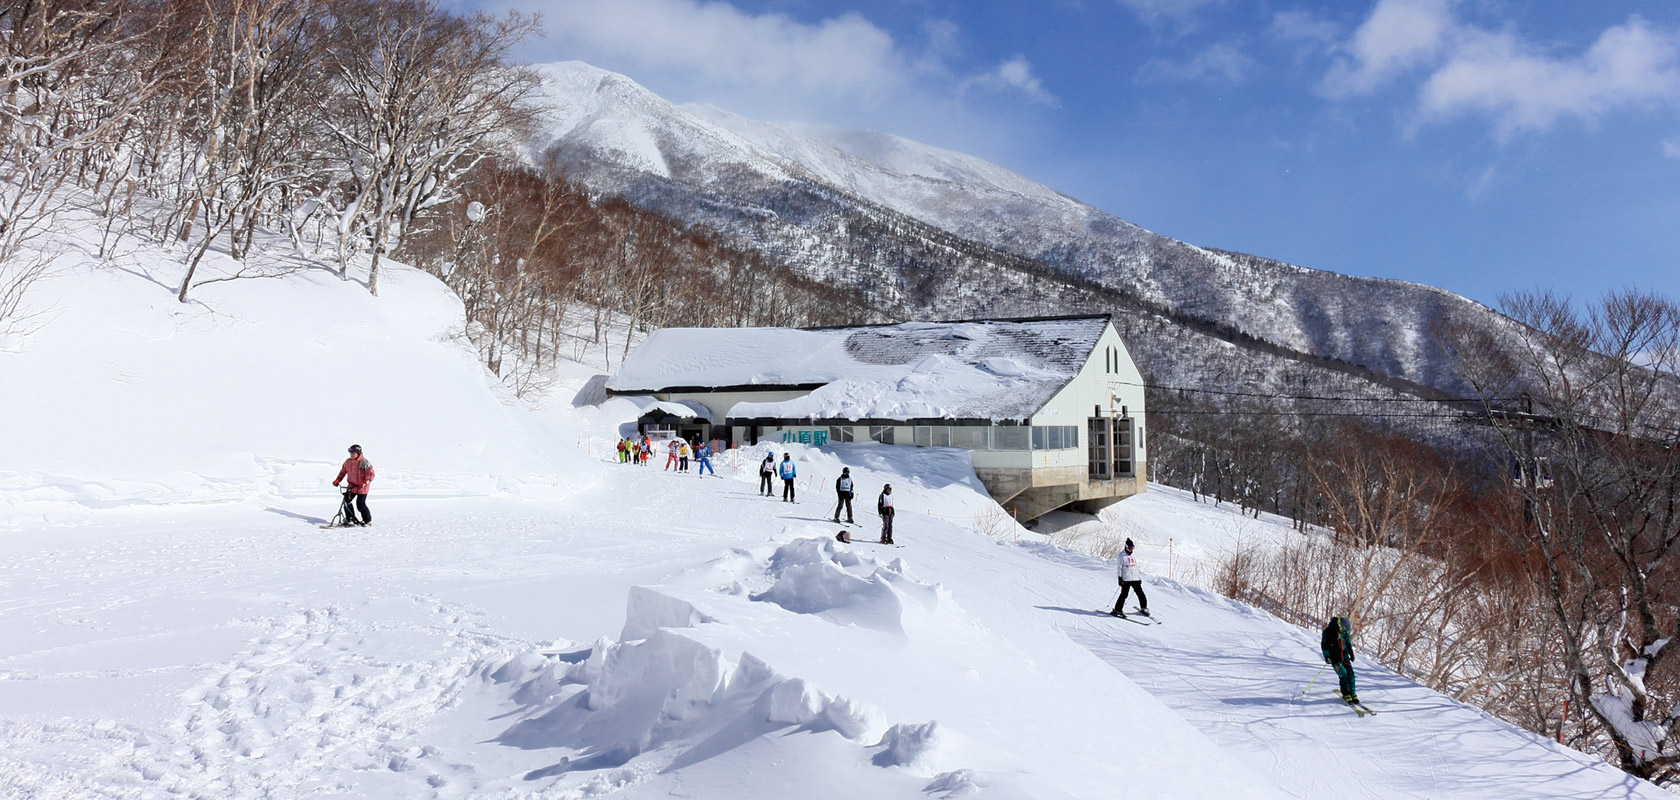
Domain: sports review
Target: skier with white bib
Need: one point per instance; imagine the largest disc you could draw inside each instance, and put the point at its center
(788, 472)
(843, 490)
(1131, 578)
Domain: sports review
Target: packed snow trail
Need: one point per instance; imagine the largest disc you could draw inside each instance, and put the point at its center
(238, 651)
(1237, 675)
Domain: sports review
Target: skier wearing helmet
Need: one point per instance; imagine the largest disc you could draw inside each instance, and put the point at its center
(357, 473)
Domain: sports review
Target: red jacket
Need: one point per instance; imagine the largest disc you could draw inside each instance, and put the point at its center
(359, 471)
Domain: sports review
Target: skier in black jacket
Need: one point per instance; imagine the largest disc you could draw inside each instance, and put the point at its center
(843, 490)
(767, 471)
(1337, 644)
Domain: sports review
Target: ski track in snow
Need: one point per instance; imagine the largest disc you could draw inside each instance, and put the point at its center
(239, 652)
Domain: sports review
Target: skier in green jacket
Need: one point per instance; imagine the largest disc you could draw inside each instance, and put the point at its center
(1337, 644)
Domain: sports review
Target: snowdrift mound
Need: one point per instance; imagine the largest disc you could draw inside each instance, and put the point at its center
(254, 389)
(674, 691)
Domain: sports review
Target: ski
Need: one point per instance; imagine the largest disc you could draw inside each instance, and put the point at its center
(1358, 706)
(1126, 618)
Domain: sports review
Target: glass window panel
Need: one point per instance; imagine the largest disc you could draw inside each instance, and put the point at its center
(1038, 437)
(941, 436)
(924, 436)
(971, 437)
(1009, 438)
(881, 433)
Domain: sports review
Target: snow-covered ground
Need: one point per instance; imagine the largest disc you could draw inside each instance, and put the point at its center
(529, 619)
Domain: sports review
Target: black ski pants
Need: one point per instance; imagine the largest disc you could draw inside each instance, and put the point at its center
(1126, 588)
(787, 489)
(765, 487)
(886, 525)
(846, 503)
(354, 502)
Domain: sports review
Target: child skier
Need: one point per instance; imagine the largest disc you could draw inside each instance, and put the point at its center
(1337, 646)
(704, 453)
(1131, 578)
(788, 472)
(767, 471)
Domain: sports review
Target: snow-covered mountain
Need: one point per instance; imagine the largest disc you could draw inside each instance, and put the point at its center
(929, 232)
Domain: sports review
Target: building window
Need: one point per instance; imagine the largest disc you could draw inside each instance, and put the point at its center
(839, 433)
(1100, 454)
(1053, 437)
(1123, 446)
(881, 433)
(1009, 437)
(971, 437)
(933, 436)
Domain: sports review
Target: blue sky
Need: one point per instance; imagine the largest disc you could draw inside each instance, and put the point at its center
(1482, 146)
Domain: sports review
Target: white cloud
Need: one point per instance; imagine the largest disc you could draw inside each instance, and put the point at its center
(1398, 36)
(1014, 74)
(1671, 147)
(1524, 89)
(715, 44)
(1517, 85)
(1219, 63)
(1479, 186)
(1303, 26)
(1182, 12)
(842, 69)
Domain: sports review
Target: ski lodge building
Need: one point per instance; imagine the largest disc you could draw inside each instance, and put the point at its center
(1049, 408)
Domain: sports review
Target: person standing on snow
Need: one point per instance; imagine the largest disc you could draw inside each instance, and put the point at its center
(671, 456)
(884, 507)
(788, 473)
(1337, 645)
(357, 472)
(704, 454)
(767, 471)
(683, 454)
(1130, 578)
(843, 490)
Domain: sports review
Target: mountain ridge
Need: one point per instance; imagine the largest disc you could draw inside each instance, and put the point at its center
(880, 214)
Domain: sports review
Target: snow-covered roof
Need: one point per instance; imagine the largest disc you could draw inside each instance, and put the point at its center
(1003, 369)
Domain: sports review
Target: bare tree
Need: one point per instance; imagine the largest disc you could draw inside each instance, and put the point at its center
(51, 53)
(1595, 466)
(259, 70)
(425, 96)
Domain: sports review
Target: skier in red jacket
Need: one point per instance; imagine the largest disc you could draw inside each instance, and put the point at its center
(357, 473)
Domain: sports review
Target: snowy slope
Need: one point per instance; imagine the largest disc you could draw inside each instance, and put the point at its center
(530, 619)
(253, 390)
(701, 642)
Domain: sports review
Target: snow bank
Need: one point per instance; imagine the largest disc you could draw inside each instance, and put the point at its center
(254, 390)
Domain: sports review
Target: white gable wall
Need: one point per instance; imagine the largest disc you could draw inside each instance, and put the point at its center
(1096, 387)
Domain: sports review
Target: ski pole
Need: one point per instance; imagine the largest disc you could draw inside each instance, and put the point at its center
(1314, 680)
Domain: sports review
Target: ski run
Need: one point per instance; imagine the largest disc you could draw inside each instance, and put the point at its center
(527, 617)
